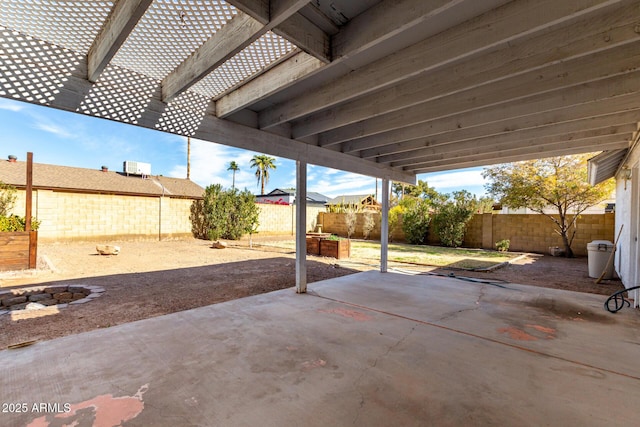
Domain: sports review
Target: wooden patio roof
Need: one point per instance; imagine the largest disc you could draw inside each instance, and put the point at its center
(387, 88)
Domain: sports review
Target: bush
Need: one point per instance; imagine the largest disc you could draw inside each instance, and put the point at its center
(395, 214)
(350, 219)
(16, 223)
(7, 198)
(503, 245)
(452, 217)
(415, 221)
(368, 224)
(226, 214)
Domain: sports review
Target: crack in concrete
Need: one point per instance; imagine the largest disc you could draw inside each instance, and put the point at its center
(373, 365)
(448, 316)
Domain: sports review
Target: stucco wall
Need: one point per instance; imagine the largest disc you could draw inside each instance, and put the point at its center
(627, 211)
(76, 216)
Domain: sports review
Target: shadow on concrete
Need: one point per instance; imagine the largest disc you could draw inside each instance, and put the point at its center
(134, 296)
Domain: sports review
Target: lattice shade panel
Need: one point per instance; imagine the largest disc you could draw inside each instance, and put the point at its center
(120, 95)
(77, 22)
(169, 32)
(251, 60)
(33, 70)
(184, 114)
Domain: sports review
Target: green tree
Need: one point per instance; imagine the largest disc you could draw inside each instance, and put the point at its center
(233, 166)
(226, 214)
(556, 184)
(452, 216)
(416, 219)
(7, 198)
(263, 163)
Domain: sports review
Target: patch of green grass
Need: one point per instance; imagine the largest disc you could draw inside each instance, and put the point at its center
(426, 255)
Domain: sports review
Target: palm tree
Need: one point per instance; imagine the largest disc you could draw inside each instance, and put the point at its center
(233, 166)
(263, 163)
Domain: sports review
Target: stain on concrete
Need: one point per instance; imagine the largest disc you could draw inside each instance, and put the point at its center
(529, 332)
(568, 311)
(313, 364)
(101, 411)
(351, 314)
(517, 334)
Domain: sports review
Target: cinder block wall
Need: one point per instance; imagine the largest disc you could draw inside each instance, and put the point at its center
(527, 233)
(77, 216)
(281, 219)
(535, 233)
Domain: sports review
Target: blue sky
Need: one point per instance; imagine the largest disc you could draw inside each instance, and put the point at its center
(70, 139)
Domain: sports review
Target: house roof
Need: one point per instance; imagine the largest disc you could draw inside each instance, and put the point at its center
(68, 178)
(311, 195)
(604, 165)
(350, 199)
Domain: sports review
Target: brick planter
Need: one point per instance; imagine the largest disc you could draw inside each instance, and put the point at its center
(335, 248)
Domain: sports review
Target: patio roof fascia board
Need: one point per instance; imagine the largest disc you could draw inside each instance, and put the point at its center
(236, 135)
(119, 24)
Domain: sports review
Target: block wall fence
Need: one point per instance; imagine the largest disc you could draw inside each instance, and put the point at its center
(66, 216)
(526, 232)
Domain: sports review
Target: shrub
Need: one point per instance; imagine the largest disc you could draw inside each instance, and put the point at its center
(395, 214)
(415, 221)
(16, 223)
(7, 198)
(226, 214)
(503, 245)
(452, 217)
(350, 219)
(368, 224)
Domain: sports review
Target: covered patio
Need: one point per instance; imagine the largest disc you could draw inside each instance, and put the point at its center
(368, 349)
(390, 89)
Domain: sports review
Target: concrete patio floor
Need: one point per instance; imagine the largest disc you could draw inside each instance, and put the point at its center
(368, 349)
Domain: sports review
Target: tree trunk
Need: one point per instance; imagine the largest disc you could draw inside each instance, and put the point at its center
(568, 252)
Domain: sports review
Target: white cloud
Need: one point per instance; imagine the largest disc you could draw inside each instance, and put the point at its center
(336, 183)
(209, 163)
(463, 178)
(7, 104)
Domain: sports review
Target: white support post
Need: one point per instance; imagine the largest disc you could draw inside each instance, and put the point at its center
(384, 227)
(301, 227)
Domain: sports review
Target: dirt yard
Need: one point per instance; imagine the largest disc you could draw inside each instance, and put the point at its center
(154, 278)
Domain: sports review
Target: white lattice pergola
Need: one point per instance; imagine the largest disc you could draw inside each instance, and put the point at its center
(387, 88)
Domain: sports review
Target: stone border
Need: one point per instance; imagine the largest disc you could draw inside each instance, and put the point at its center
(59, 296)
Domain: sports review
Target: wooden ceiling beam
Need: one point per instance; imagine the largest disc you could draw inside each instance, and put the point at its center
(609, 108)
(121, 21)
(464, 110)
(514, 142)
(237, 34)
(563, 148)
(470, 39)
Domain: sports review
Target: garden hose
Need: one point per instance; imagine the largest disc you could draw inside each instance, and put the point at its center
(619, 300)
